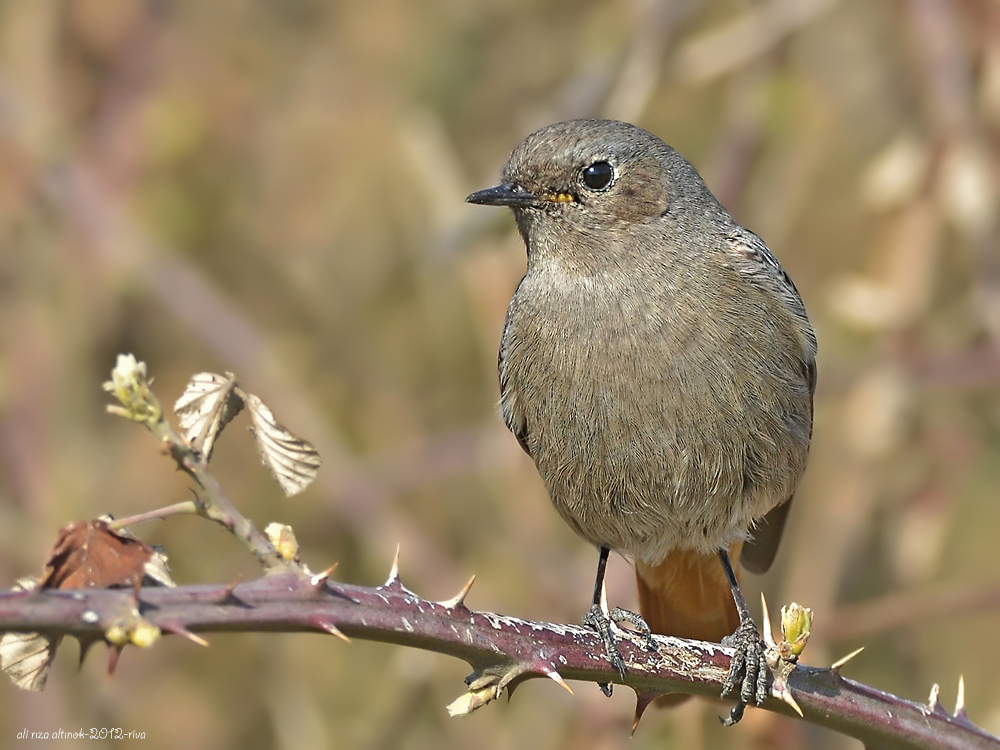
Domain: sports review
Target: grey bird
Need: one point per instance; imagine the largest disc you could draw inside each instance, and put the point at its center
(658, 366)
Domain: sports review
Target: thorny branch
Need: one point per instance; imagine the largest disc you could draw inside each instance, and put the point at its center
(503, 651)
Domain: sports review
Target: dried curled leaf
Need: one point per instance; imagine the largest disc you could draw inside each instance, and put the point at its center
(91, 555)
(85, 555)
(157, 571)
(211, 401)
(208, 404)
(292, 461)
(26, 657)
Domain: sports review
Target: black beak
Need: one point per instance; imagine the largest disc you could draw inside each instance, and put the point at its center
(504, 194)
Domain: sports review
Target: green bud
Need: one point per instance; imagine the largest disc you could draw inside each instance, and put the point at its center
(796, 626)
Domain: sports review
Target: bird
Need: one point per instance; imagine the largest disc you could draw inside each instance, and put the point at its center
(658, 366)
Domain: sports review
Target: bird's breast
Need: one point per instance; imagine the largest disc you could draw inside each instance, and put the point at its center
(651, 425)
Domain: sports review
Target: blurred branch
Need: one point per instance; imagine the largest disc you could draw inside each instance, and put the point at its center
(943, 53)
(976, 368)
(969, 190)
(91, 193)
(741, 134)
(430, 459)
(503, 651)
(654, 25)
(738, 42)
(909, 608)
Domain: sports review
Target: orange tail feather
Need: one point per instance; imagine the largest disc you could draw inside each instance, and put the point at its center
(687, 596)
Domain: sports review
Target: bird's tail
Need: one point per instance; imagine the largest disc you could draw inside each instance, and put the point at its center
(687, 595)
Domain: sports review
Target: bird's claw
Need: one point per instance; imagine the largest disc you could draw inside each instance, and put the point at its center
(604, 623)
(748, 670)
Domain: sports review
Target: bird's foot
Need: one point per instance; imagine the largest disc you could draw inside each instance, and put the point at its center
(603, 621)
(748, 670)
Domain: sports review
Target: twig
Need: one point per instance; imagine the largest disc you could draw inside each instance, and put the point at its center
(129, 384)
(909, 608)
(188, 506)
(749, 35)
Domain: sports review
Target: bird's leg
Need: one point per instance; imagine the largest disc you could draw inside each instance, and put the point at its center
(601, 619)
(748, 660)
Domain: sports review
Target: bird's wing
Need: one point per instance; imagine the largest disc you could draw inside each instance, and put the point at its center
(510, 403)
(759, 550)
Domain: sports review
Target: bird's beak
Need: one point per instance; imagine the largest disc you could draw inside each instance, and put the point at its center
(505, 194)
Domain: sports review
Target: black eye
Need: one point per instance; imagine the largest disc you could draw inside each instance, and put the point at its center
(598, 175)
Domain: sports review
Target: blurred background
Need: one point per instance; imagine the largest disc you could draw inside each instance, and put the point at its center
(276, 189)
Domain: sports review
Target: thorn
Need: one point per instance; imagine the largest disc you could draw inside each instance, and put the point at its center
(642, 701)
(327, 626)
(85, 649)
(960, 701)
(113, 653)
(394, 573)
(782, 693)
(318, 581)
(227, 595)
(767, 632)
(933, 704)
(792, 702)
(554, 675)
(836, 666)
(178, 629)
(332, 590)
(459, 599)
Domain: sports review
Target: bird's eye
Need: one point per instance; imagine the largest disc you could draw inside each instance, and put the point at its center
(598, 176)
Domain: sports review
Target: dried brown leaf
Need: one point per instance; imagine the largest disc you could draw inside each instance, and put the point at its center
(157, 568)
(292, 461)
(91, 555)
(208, 404)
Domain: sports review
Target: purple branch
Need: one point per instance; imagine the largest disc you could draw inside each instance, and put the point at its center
(502, 650)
